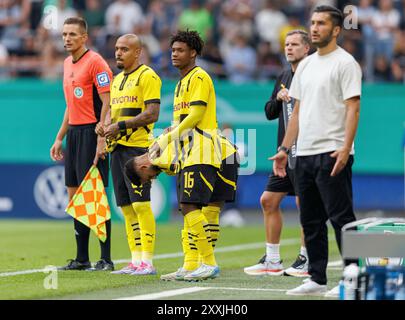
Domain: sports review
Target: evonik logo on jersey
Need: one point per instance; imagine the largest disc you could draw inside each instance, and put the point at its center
(124, 99)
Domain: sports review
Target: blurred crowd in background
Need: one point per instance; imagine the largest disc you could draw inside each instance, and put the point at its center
(243, 38)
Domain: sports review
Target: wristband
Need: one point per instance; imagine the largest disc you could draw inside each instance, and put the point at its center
(284, 149)
(122, 125)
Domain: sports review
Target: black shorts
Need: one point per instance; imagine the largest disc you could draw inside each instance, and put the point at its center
(203, 184)
(81, 145)
(125, 192)
(284, 185)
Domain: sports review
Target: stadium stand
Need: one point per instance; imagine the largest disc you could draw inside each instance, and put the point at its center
(30, 33)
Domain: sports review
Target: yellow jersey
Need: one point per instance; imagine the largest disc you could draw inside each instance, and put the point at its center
(130, 93)
(195, 88)
(210, 151)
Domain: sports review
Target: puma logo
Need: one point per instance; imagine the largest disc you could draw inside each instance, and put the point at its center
(188, 192)
(139, 192)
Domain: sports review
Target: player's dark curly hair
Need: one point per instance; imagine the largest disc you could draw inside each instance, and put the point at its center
(192, 38)
(130, 172)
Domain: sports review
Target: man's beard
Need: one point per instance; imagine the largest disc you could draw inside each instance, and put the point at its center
(324, 42)
(120, 66)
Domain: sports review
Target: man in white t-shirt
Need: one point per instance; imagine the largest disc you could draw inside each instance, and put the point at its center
(327, 89)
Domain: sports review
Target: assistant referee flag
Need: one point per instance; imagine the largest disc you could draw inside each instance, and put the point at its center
(89, 204)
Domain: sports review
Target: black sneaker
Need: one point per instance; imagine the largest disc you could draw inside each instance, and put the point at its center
(76, 265)
(102, 265)
(263, 259)
(299, 268)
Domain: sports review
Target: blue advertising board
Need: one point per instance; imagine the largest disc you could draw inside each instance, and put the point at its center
(38, 192)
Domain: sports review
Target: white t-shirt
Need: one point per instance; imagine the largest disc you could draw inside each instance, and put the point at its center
(321, 84)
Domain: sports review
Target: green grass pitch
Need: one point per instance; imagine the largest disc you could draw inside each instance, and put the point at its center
(28, 245)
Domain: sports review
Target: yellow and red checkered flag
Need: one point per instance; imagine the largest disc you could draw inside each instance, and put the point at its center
(89, 204)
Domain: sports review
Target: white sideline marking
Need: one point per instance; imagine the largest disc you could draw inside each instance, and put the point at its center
(178, 292)
(248, 289)
(286, 242)
(165, 294)
(9, 274)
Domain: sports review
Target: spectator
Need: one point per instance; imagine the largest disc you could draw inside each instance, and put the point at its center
(149, 40)
(160, 18)
(122, 16)
(79, 5)
(13, 15)
(365, 13)
(402, 12)
(269, 22)
(269, 63)
(314, 3)
(197, 18)
(240, 63)
(385, 22)
(144, 57)
(25, 12)
(35, 13)
(263, 23)
(94, 15)
(382, 72)
(164, 61)
(235, 19)
(51, 64)
(144, 5)
(212, 61)
(26, 61)
(50, 29)
(4, 72)
(350, 46)
(214, 7)
(398, 63)
(293, 23)
(296, 8)
(63, 11)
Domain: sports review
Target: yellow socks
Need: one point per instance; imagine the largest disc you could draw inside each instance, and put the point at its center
(133, 234)
(189, 249)
(147, 225)
(195, 223)
(211, 213)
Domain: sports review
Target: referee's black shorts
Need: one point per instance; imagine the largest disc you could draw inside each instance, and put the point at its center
(125, 192)
(81, 145)
(284, 185)
(202, 184)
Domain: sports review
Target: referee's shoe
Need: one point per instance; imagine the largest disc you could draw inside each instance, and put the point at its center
(102, 265)
(75, 265)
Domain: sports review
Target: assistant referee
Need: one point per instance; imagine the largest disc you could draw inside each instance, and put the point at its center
(86, 84)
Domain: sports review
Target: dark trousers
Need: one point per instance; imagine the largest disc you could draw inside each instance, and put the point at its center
(322, 197)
